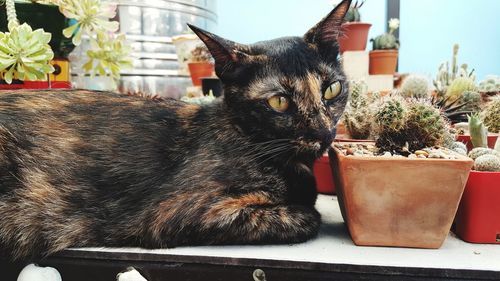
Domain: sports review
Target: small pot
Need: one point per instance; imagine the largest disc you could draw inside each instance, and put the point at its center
(492, 138)
(402, 202)
(199, 70)
(184, 44)
(477, 219)
(383, 62)
(354, 36)
(323, 175)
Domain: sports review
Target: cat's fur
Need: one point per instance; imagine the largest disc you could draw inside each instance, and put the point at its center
(81, 168)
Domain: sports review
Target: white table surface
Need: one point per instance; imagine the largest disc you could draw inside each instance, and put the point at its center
(334, 246)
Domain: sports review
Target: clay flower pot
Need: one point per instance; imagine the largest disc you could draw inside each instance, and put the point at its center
(383, 62)
(323, 175)
(354, 36)
(403, 202)
(477, 219)
(492, 138)
(200, 70)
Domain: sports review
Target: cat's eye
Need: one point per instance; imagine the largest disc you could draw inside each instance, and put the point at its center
(332, 91)
(279, 103)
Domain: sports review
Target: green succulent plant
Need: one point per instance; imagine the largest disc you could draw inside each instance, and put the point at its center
(353, 14)
(446, 76)
(387, 41)
(478, 132)
(357, 112)
(403, 125)
(24, 53)
(459, 86)
(491, 116)
(489, 85)
(472, 101)
(415, 87)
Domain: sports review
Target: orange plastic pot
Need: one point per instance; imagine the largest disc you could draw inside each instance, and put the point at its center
(199, 70)
(354, 36)
(478, 216)
(323, 175)
(401, 202)
(383, 62)
(492, 138)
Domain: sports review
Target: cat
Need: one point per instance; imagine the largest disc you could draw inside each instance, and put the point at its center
(82, 168)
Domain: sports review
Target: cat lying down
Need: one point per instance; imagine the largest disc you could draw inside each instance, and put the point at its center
(81, 168)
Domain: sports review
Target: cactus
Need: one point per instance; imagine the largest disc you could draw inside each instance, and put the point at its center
(387, 41)
(357, 112)
(491, 116)
(415, 87)
(403, 126)
(353, 14)
(489, 85)
(472, 101)
(459, 86)
(201, 54)
(459, 147)
(487, 163)
(444, 77)
(478, 132)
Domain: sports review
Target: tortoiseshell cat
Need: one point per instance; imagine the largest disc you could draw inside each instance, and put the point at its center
(81, 168)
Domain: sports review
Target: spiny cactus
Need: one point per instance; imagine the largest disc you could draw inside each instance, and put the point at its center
(472, 101)
(357, 113)
(408, 125)
(459, 86)
(353, 14)
(415, 87)
(444, 77)
(489, 85)
(451, 108)
(387, 41)
(491, 116)
(478, 132)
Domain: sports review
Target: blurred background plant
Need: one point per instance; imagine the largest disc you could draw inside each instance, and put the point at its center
(27, 53)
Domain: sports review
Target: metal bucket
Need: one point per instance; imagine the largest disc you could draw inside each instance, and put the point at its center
(149, 26)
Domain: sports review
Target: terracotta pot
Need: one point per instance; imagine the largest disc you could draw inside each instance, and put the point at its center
(323, 175)
(199, 70)
(477, 219)
(492, 138)
(402, 202)
(354, 36)
(383, 61)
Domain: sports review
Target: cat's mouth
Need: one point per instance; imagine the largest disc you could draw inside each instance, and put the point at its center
(317, 148)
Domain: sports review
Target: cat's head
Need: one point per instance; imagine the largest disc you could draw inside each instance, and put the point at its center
(289, 88)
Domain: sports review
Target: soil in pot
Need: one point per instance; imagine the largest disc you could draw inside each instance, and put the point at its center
(383, 62)
(394, 200)
(354, 37)
(478, 216)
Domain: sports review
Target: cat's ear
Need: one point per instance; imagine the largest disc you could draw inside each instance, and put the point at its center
(325, 33)
(227, 54)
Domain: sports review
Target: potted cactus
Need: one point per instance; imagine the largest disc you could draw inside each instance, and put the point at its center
(477, 217)
(384, 54)
(200, 64)
(489, 87)
(355, 32)
(404, 189)
(490, 116)
(357, 110)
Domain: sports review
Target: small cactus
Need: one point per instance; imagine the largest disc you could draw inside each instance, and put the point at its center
(444, 77)
(459, 147)
(357, 112)
(408, 125)
(472, 101)
(459, 86)
(487, 163)
(415, 87)
(387, 41)
(478, 132)
(491, 116)
(353, 14)
(479, 151)
(489, 85)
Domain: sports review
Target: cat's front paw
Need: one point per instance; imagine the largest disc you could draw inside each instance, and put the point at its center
(131, 274)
